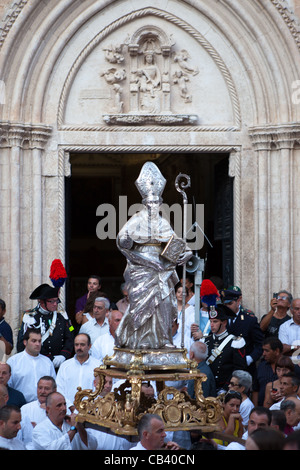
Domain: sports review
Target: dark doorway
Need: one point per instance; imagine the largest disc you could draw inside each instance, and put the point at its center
(99, 179)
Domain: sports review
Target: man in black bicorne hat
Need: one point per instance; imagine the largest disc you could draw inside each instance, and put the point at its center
(226, 352)
(57, 339)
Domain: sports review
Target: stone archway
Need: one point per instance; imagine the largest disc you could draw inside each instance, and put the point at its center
(51, 58)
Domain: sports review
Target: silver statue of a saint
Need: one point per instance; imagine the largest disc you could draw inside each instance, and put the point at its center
(152, 250)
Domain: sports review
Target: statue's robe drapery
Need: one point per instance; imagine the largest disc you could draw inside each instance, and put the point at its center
(150, 279)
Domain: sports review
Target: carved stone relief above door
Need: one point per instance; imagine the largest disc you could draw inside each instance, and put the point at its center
(149, 71)
(147, 66)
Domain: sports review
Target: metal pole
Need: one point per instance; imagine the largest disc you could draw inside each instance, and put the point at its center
(180, 188)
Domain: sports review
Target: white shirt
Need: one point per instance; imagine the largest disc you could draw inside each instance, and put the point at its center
(189, 319)
(277, 405)
(108, 441)
(245, 409)
(31, 413)
(47, 436)
(188, 340)
(103, 346)
(235, 445)
(93, 329)
(232, 446)
(289, 332)
(11, 444)
(72, 374)
(26, 370)
(88, 316)
(138, 446)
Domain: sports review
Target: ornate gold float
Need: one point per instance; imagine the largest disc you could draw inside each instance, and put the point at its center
(119, 411)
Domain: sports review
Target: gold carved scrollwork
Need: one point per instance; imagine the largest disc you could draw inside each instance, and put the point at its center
(180, 412)
(211, 405)
(79, 402)
(120, 411)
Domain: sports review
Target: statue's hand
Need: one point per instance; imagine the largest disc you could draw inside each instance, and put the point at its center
(184, 257)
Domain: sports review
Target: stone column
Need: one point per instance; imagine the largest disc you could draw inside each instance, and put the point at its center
(21, 213)
(274, 148)
(14, 249)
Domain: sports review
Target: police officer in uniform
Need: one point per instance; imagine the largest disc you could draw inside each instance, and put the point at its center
(244, 324)
(226, 352)
(57, 336)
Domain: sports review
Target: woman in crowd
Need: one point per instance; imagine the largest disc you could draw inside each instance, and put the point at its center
(272, 392)
(231, 420)
(241, 381)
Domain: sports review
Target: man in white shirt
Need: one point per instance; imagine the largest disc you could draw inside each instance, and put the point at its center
(104, 345)
(289, 331)
(28, 366)
(151, 431)
(77, 371)
(59, 431)
(98, 325)
(259, 418)
(10, 418)
(288, 387)
(35, 411)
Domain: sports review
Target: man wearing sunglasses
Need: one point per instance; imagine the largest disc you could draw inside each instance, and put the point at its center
(57, 339)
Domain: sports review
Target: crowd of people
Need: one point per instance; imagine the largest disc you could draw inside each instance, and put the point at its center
(251, 365)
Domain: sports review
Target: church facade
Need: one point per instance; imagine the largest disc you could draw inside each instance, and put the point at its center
(150, 78)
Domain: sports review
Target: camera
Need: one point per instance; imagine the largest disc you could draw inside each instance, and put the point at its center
(275, 295)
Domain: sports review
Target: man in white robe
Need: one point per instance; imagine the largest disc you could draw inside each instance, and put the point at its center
(10, 418)
(28, 366)
(77, 371)
(35, 411)
(59, 431)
